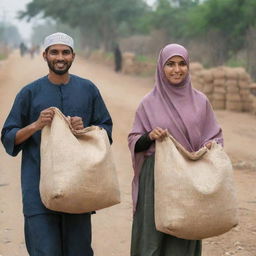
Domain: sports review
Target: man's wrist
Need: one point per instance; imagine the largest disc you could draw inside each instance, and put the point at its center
(34, 127)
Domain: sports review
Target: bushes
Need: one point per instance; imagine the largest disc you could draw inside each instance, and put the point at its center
(4, 51)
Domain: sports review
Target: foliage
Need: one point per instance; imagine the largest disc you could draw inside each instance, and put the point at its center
(99, 19)
(9, 35)
(2, 56)
(232, 18)
(170, 15)
(217, 22)
(221, 25)
(40, 31)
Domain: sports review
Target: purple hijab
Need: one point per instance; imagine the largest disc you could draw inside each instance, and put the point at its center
(185, 112)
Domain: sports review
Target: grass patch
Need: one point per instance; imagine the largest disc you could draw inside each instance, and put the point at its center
(3, 56)
(142, 58)
(235, 62)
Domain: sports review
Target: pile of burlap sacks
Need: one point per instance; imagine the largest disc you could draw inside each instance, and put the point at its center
(131, 66)
(253, 97)
(227, 88)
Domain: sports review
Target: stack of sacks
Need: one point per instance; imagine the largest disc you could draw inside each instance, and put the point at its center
(128, 66)
(233, 97)
(195, 69)
(244, 81)
(253, 97)
(226, 88)
(207, 77)
(219, 88)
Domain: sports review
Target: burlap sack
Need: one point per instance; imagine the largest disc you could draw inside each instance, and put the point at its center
(208, 88)
(194, 193)
(234, 106)
(195, 67)
(218, 104)
(219, 73)
(207, 75)
(219, 82)
(218, 96)
(231, 83)
(77, 169)
(220, 89)
(231, 74)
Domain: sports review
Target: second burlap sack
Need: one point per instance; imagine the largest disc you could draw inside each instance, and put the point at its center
(194, 192)
(77, 168)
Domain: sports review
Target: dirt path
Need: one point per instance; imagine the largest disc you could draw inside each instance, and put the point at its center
(112, 227)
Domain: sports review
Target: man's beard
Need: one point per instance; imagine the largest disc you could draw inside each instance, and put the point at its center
(57, 71)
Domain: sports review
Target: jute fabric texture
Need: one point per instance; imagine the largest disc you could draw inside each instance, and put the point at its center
(77, 169)
(194, 192)
(146, 240)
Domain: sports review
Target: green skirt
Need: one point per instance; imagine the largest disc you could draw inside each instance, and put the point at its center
(146, 240)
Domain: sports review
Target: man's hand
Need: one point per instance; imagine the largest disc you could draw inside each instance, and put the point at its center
(76, 123)
(158, 134)
(45, 118)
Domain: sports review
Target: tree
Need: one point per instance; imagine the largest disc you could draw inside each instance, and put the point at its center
(40, 31)
(97, 20)
(172, 16)
(9, 35)
(231, 18)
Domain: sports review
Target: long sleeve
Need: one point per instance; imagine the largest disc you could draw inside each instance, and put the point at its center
(101, 116)
(143, 143)
(14, 122)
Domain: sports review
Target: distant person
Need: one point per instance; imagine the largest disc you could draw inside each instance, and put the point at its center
(32, 51)
(118, 58)
(174, 106)
(23, 49)
(49, 233)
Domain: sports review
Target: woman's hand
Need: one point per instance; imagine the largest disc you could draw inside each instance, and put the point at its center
(158, 134)
(208, 145)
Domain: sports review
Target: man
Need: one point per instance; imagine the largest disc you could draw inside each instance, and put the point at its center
(49, 233)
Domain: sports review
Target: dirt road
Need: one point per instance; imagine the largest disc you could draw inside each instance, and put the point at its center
(112, 227)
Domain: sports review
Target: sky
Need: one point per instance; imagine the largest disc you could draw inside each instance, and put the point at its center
(8, 13)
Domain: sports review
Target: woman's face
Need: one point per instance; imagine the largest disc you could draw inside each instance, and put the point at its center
(175, 69)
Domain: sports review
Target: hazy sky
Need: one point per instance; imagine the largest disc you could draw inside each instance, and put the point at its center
(8, 13)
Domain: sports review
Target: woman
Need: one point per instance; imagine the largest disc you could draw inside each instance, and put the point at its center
(173, 106)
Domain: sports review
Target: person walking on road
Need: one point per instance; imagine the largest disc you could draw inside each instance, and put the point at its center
(49, 233)
(118, 58)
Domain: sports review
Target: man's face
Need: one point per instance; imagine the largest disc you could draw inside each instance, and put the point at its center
(59, 58)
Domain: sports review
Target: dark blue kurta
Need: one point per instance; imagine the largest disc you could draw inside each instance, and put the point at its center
(79, 97)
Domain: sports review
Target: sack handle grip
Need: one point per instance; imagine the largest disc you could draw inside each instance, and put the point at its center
(194, 156)
(75, 132)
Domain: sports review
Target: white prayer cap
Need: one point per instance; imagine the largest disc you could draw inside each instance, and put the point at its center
(58, 38)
